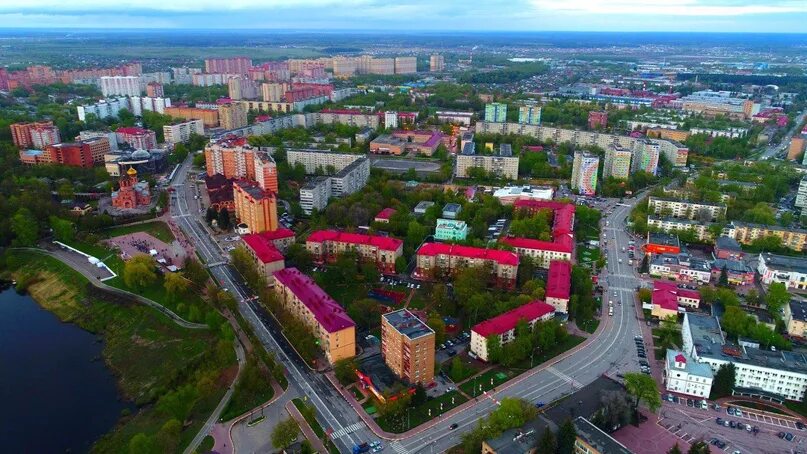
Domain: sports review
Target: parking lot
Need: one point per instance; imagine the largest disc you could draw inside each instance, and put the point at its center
(743, 434)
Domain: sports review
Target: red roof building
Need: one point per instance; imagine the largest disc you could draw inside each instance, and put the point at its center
(667, 297)
(138, 138)
(543, 252)
(558, 285)
(439, 259)
(504, 326)
(327, 245)
(327, 320)
(384, 215)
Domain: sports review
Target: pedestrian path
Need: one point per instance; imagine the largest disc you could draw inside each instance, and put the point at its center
(397, 447)
(346, 430)
(564, 377)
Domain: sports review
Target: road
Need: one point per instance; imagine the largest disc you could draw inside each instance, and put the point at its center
(774, 150)
(610, 351)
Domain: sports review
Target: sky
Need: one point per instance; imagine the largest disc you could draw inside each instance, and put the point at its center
(762, 16)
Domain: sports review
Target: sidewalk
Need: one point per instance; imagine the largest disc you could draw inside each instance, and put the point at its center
(307, 431)
(222, 432)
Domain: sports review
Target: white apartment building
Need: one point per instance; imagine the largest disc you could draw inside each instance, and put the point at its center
(138, 105)
(617, 162)
(120, 86)
(390, 119)
(791, 271)
(109, 135)
(672, 225)
(314, 194)
(686, 376)
(783, 373)
(801, 195)
(351, 179)
(501, 165)
(181, 132)
(314, 159)
(686, 210)
(104, 108)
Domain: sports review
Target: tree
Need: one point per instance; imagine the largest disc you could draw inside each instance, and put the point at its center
(345, 370)
(167, 439)
(699, 447)
(176, 285)
(285, 433)
(298, 255)
(643, 388)
(210, 214)
(223, 219)
(63, 230)
(25, 228)
(139, 272)
(457, 370)
(723, 383)
(420, 396)
(194, 271)
(141, 443)
(436, 323)
(674, 450)
(66, 191)
(546, 444)
(566, 437)
(723, 280)
(776, 298)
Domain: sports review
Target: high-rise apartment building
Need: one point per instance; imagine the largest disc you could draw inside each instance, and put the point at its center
(234, 65)
(234, 158)
(406, 65)
(182, 131)
(437, 63)
(21, 133)
(384, 66)
(529, 114)
(120, 86)
(42, 136)
(138, 138)
(390, 119)
(503, 164)
(407, 346)
(801, 195)
(232, 116)
(584, 173)
(344, 66)
(617, 162)
(254, 206)
(645, 156)
(242, 87)
(274, 92)
(496, 112)
(314, 194)
(210, 117)
(155, 90)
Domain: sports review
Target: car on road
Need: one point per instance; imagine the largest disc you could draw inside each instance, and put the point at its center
(781, 435)
(453, 426)
(539, 404)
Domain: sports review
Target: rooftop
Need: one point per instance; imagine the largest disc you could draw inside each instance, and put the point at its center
(252, 188)
(666, 239)
(386, 213)
(507, 321)
(452, 208)
(133, 131)
(798, 310)
(385, 243)
(733, 266)
(263, 248)
(407, 324)
(558, 283)
(727, 243)
(423, 205)
(597, 439)
(455, 224)
(326, 310)
(499, 256)
(785, 263)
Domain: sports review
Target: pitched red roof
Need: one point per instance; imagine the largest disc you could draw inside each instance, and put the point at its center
(262, 247)
(666, 294)
(277, 234)
(559, 281)
(386, 213)
(507, 321)
(562, 244)
(562, 226)
(381, 242)
(326, 310)
(680, 358)
(499, 256)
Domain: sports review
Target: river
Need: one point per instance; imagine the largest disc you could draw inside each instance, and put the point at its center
(56, 394)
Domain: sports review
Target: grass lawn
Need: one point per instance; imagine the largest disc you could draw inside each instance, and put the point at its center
(254, 387)
(568, 343)
(590, 326)
(157, 229)
(206, 445)
(149, 354)
(763, 407)
(586, 255)
(309, 413)
(487, 381)
(417, 415)
(468, 369)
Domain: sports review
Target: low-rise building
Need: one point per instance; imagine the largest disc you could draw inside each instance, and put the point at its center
(680, 267)
(728, 248)
(407, 346)
(684, 375)
(795, 318)
(667, 298)
(265, 255)
(436, 260)
(384, 215)
(590, 439)
(662, 243)
(791, 271)
(509, 194)
(452, 210)
(738, 272)
(450, 230)
(746, 233)
(327, 320)
(327, 245)
(422, 206)
(559, 285)
(543, 252)
(451, 116)
(502, 328)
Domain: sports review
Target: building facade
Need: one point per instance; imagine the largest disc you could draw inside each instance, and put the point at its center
(435, 260)
(496, 112)
(683, 209)
(502, 328)
(120, 86)
(617, 162)
(584, 173)
(137, 138)
(182, 131)
(131, 193)
(325, 246)
(686, 376)
(746, 233)
(791, 271)
(254, 206)
(450, 230)
(407, 346)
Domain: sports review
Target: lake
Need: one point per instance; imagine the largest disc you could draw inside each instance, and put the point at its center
(57, 394)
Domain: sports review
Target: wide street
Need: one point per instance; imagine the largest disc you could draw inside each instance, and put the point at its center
(609, 351)
(779, 148)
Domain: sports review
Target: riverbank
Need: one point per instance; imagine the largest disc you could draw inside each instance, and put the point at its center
(175, 375)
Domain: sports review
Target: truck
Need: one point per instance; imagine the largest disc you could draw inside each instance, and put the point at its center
(361, 448)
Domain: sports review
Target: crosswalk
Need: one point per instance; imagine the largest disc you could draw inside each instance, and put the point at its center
(564, 377)
(346, 430)
(397, 447)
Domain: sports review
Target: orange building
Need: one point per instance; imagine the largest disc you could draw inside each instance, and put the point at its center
(132, 193)
(235, 158)
(210, 117)
(85, 153)
(407, 346)
(254, 206)
(796, 148)
(678, 135)
(21, 133)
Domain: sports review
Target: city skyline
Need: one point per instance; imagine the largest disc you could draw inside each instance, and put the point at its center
(777, 16)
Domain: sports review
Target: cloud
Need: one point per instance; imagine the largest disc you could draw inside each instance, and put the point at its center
(669, 7)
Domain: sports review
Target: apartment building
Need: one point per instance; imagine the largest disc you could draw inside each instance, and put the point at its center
(782, 373)
(436, 260)
(529, 114)
(351, 178)
(668, 297)
(104, 108)
(406, 65)
(718, 103)
(235, 158)
(559, 285)
(502, 164)
(274, 92)
(682, 209)
(801, 195)
(617, 162)
(140, 104)
(254, 206)
(120, 86)
(407, 346)
(22, 133)
(314, 194)
(675, 152)
(209, 117)
(680, 267)
(453, 116)
(313, 160)
(795, 318)
(597, 120)
(791, 271)
(155, 90)
(544, 252)
(265, 255)
(241, 87)
(496, 112)
(584, 173)
(502, 328)
(673, 225)
(684, 375)
(180, 132)
(590, 439)
(450, 230)
(645, 156)
(385, 66)
(345, 116)
(232, 65)
(325, 246)
(746, 233)
(86, 153)
(111, 137)
(232, 116)
(327, 320)
(137, 138)
(437, 63)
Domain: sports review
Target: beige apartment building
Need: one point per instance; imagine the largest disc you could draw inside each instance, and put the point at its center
(686, 210)
(407, 346)
(617, 162)
(232, 116)
(746, 233)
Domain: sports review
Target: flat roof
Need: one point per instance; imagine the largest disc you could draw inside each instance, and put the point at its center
(598, 439)
(666, 239)
(798, 310)
(407, 324)
(785, 263)
(728, 243)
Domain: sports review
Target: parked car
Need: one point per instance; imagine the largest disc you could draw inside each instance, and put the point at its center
(789, 436)
(453, 426)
